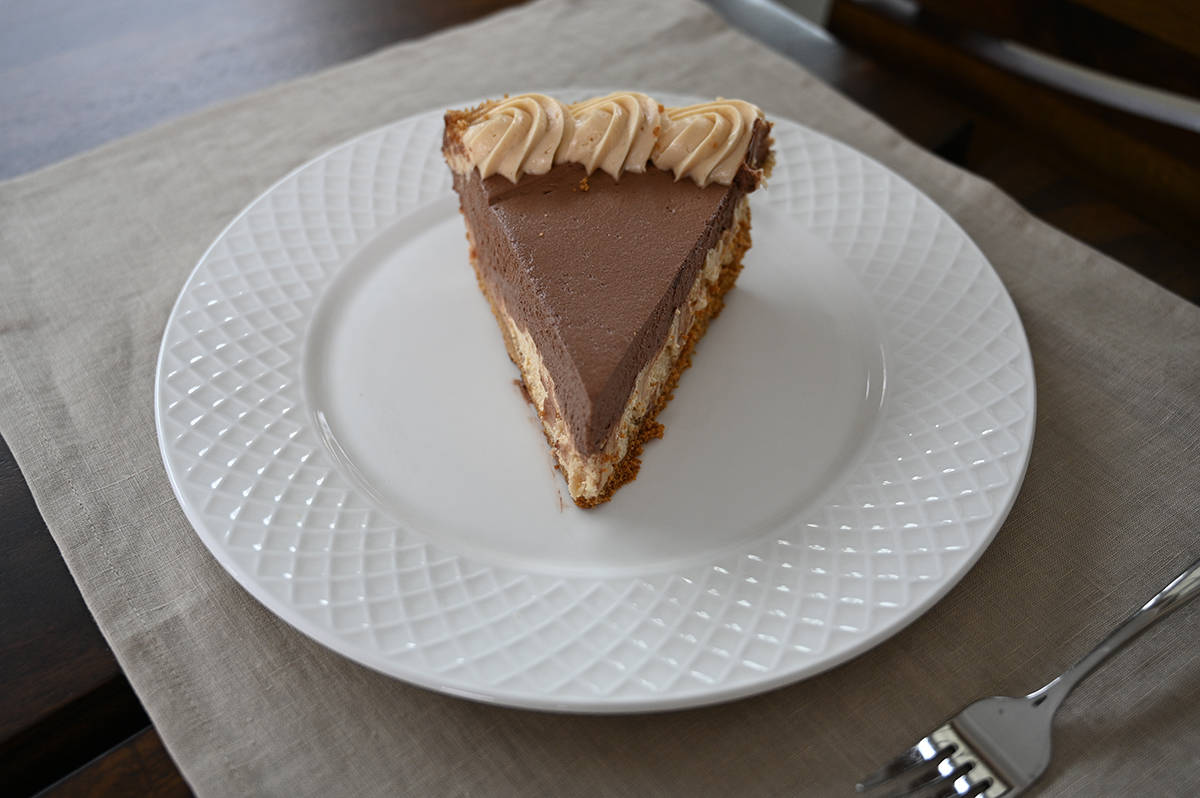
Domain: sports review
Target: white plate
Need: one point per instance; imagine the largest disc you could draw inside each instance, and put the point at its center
(340, 423)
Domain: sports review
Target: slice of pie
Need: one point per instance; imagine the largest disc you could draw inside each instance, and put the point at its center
(605, 234)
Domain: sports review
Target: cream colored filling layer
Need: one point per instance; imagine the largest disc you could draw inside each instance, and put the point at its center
(587, 475)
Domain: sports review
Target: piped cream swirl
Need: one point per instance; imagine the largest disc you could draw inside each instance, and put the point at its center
(614, 133)
(706, 142)
(623, 131)
(518, 135)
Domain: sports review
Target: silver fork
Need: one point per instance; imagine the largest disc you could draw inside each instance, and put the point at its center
(999, 746)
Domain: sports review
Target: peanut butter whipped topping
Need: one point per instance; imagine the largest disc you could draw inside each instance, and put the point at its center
(520, 134)
(613, 133)
(706, 142)
(623, 131)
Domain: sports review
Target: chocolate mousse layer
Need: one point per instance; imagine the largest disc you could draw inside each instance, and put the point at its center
(595, 273)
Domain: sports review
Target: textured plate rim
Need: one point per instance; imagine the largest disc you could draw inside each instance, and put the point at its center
(675, 699)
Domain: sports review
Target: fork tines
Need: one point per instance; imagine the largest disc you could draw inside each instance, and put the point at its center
(942, 764)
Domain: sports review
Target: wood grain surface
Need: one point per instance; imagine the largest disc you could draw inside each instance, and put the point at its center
(140, 767)
(74, 75)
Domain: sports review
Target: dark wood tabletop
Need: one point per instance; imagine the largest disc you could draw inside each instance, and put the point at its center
(76, 75)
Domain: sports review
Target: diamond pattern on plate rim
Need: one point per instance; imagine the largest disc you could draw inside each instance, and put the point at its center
(270, 502)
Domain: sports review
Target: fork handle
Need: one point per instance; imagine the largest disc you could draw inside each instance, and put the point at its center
(1182, 588)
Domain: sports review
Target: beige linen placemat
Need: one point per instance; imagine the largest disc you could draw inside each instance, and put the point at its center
(94, 251)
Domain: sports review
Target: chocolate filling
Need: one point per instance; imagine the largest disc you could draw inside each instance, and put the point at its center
(594, 270)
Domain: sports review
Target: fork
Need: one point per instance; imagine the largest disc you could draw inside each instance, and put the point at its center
(999, 746)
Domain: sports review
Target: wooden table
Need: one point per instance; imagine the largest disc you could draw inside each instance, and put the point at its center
(75, 75)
